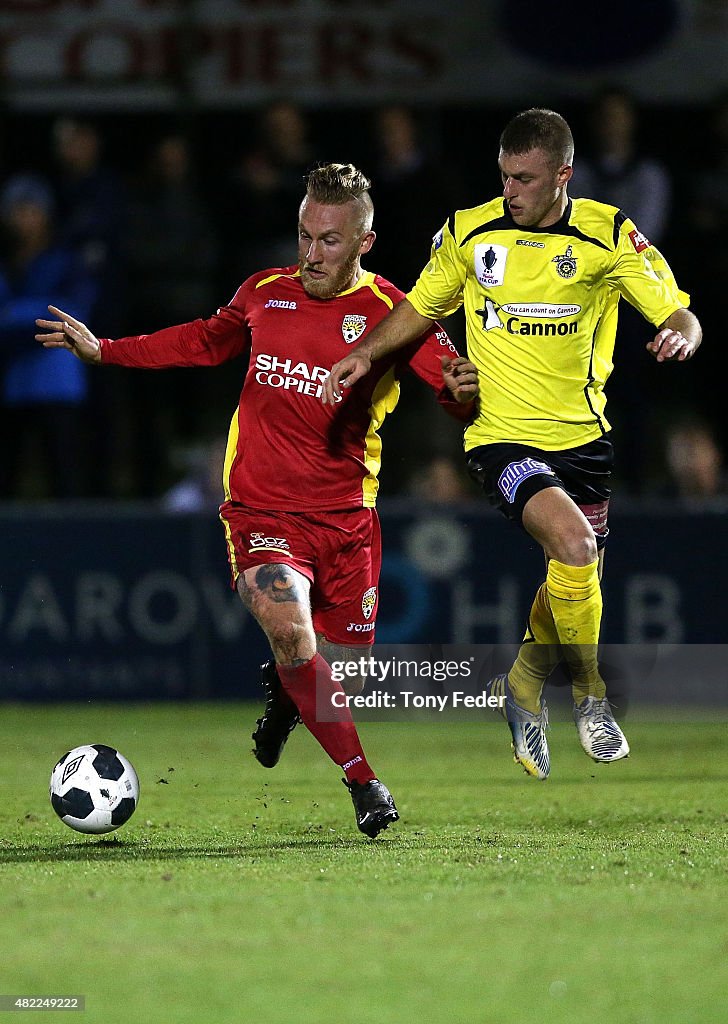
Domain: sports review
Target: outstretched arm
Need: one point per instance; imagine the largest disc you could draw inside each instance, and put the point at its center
(678, 339)
(198, 343)
(398, 328)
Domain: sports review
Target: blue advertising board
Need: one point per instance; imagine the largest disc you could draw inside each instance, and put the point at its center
(132, 603)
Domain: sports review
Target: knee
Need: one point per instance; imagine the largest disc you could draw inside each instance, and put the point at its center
(290, 642)
(578, 548)
(283, 634)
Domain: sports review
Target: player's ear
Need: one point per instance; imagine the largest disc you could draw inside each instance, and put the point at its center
(564, 174)
(367, 242)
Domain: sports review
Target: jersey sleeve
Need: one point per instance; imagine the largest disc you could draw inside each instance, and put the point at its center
(643, 276)
(198, 343)
(438, 291)
(423, 358)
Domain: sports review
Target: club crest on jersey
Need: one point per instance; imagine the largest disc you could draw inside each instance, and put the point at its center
(565, 263)
(352, 327)
(368, 601)
(490, 264)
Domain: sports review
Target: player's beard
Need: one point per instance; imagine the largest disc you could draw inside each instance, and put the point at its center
(327, 287)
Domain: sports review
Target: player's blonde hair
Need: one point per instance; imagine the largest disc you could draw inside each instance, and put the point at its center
(338, 184)
(538, 128)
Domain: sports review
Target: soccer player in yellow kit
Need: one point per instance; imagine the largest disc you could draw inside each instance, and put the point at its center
(540, 277)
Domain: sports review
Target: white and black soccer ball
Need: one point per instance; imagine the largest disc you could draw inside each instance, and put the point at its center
(94, 789)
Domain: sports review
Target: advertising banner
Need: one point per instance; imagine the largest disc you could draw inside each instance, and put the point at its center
(61, 54)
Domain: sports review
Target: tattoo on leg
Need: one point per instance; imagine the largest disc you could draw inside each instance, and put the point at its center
(245, 593)
(277, 598)
(278, 583)
(286, 651)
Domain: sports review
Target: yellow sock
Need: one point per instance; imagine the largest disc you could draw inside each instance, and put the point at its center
(538, 655)
(575, 598)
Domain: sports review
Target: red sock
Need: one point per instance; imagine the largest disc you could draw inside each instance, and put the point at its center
(309, 685)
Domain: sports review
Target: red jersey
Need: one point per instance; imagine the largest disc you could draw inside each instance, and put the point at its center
(286, 450)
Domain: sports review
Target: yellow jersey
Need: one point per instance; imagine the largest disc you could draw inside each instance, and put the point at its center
(541, 314)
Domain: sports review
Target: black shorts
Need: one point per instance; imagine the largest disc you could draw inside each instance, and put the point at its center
(511, 473)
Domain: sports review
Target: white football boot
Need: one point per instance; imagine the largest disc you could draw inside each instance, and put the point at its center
(599, 734)
(529, 745)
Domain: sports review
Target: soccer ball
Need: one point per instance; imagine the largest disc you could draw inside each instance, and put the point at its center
(94, 789)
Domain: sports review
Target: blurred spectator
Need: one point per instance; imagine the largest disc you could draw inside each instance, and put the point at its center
(412, 191)
(91, 211)
(708, 185)
(92, 217)
(172, 252)
(261, 198)
(43, 392)
(201, 489)
(413, 448)
(616, 171)
(171, 243)
(443, 481)
(703, 239)
(694, 462)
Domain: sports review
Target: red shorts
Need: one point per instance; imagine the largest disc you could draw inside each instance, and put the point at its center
(339, 552)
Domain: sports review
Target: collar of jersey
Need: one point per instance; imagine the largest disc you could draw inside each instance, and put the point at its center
(367, 278)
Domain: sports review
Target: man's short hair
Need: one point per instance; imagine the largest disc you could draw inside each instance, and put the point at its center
(338, 184)
(538, 128)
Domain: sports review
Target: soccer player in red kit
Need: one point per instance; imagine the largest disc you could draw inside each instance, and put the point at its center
(300, 477)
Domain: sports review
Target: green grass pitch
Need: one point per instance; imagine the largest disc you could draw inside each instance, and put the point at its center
(237, 894)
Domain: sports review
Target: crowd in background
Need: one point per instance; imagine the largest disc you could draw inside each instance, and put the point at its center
(133, 239)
